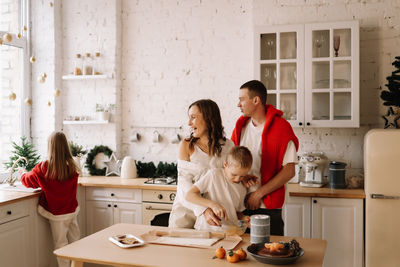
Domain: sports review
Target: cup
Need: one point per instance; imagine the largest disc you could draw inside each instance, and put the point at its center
(156, 137)
(337, 173)
(259, 228)
(176, 138)
(135, 137)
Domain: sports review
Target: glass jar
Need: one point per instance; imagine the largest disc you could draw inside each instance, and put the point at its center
(96, 65)
(78, 65)
(88, 65)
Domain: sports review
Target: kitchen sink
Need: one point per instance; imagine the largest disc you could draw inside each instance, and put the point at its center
(18, 187)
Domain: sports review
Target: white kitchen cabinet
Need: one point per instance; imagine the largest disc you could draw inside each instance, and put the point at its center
(296, 214)
(339, 221)
(305, 78)
(17, 239)
(107, 206)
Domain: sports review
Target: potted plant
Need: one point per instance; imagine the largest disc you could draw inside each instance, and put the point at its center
(77, 152)
(103, 111)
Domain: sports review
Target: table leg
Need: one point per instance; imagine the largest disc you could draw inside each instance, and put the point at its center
(76, 264)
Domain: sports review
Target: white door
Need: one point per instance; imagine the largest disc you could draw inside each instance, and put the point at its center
(296, 215)
(339, 221)
(127, 213)
(99, 215)
(382, 192)
(14, 249)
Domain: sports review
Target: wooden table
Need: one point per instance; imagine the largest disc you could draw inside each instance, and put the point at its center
(96, 248)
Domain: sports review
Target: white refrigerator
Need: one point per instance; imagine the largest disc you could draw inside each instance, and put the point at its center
(382, 198)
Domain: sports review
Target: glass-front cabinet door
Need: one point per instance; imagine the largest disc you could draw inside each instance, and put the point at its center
(332, 74)
(279, 64)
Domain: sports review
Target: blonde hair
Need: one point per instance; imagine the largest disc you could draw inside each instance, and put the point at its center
(61, 165)
(240, 155)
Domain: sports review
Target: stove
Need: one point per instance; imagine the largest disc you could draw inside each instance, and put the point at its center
(162, 181)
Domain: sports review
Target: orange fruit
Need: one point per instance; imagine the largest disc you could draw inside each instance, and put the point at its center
(220, 253)
(242, 254)
(232, 257)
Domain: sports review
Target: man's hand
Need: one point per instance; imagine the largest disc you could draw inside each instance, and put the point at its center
(249, 180)
(253, 201)
(211, 218)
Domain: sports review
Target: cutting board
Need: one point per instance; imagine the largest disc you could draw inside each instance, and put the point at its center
(228, 242)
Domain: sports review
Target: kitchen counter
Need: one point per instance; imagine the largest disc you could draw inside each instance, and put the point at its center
(8, 197)
(117, 182)
(295, 190)
(96, 248)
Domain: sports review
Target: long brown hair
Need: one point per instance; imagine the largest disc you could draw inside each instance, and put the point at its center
(215, 131)
(61, 165)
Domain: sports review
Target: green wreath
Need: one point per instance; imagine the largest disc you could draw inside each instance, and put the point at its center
(90, 164)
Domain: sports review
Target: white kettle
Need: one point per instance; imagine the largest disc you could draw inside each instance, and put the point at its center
(128, 168)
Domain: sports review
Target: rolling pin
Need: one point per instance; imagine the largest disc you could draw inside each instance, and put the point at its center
(193, 234)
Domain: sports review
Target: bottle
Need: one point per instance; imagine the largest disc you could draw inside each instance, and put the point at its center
(88, 66)
(96, 65)
(78, 65)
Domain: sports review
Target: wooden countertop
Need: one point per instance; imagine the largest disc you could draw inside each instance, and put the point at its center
(117, 182)
(8, 197)
(295, 190)
(96, 248)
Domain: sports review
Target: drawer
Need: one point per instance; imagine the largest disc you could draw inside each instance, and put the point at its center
(114, 194)
(13, 211)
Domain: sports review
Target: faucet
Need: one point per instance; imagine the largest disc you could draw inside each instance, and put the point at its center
(11, 180)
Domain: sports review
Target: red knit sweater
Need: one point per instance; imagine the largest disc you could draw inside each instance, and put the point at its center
(58, 197)
(276, 135)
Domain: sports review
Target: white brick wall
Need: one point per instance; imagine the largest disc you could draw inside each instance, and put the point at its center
(176, 52)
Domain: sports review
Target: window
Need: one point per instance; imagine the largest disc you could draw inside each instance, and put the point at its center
(14, 75)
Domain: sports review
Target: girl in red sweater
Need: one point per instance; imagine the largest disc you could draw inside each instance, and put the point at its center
(58, 178)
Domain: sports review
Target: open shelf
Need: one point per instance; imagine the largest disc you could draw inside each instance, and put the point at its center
(87, 77)
(86, 122)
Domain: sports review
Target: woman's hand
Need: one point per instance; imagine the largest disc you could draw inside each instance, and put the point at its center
(249, 180)
(211, 218)
(253, 201)
(219, 211)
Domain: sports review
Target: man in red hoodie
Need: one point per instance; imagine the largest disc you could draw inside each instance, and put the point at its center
(273, 145)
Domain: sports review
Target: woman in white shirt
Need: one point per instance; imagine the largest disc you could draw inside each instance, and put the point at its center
(206, 148)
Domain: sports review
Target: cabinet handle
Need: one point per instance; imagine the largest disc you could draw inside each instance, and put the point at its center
(308, 124)
(300, 123)
(315, 201)
(112, 194)
(115, 206)
(109, 205)
(9, 212)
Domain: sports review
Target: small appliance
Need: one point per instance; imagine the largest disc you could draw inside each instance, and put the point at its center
(314, 165)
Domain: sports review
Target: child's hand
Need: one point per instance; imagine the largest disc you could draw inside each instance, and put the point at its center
(219, 211)
(246, 218)
(249, 180)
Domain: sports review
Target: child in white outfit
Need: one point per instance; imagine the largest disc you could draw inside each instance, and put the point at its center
(223, 189)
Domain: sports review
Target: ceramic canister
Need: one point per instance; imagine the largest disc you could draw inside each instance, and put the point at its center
(128, 168)
(259, 228)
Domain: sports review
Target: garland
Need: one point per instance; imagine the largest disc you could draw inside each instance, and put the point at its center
(90, 164)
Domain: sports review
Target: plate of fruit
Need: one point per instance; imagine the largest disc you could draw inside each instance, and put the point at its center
(276, 253)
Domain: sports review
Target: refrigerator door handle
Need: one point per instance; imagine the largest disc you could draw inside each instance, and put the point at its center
(381, 196)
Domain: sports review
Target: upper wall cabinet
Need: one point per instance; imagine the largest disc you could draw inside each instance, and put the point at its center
(311, 72)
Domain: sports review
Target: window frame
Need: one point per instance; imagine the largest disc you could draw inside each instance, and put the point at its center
(24, 44)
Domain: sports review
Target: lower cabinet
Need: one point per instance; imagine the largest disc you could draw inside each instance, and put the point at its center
(17, 238)
(108, 206)
(339, 221)
(14, 250)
